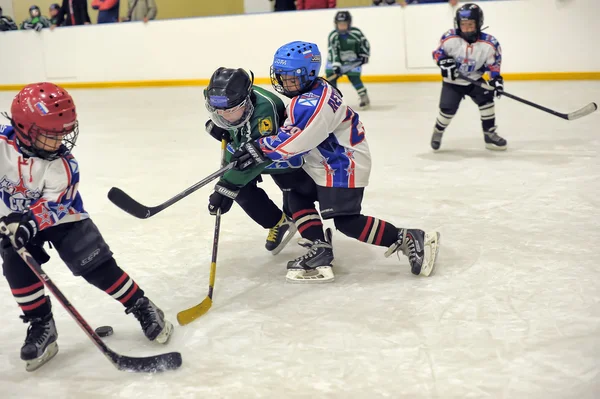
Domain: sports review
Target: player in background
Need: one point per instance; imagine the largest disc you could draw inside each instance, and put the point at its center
(239, 112)
(41, 203)
(466, 49)
(36, 20)
(331, 138)
(347, 45)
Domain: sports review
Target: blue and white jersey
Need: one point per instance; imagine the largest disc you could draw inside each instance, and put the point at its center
(328, 133)
(472, 59)
(48, 189)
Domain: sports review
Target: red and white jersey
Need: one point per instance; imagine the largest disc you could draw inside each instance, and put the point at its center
(48, 189)
(323, 129)
(472, 59)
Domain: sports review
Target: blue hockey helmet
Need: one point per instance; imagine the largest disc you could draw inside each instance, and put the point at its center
(296, 66)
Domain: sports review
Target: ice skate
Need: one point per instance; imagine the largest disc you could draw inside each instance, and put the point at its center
(40, 343)
(280, 235)
(420, 247)
(314, 267)
(436, 140)
(365, 103)
(493, 141)
(152, 320)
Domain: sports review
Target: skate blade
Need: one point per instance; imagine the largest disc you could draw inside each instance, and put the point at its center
(323, 274)
(49, 353)
(494, 147)
(432, 248)
(288, 236)
(165, 334)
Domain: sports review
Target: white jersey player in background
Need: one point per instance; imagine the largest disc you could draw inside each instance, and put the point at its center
(323, 129)
(469, 51)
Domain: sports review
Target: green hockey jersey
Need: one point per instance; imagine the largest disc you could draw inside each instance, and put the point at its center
(346, 48)
(268, 115)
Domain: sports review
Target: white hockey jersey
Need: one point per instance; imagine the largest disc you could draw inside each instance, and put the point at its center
(330, 136)
(48, 189)
(472, 60)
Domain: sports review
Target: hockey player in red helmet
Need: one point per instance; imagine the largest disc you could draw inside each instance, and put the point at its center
(41, 203)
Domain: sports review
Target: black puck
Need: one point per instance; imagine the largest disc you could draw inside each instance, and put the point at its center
(104, 331)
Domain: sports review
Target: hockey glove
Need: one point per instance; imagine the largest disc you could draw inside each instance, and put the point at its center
(337, 70)
(248, 156)
(22, 227)
(364, 59)
(38, 27)
(498, 84)
(217, 132)
(448, 67)
(222, 198)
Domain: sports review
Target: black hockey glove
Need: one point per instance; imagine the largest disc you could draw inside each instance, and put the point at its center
(498, 84)
(448, 67)
(337, 70)
(222, 198)
(217, 132)
(38, 27)
(248, 156)
(22, 228)
(364, 59)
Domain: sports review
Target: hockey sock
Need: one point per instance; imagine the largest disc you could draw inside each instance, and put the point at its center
(443, 120)
(309, 224)
(257, 204)
(488, 116)
(110, 278)
(367, 229)
(358, 84)
(26, 287)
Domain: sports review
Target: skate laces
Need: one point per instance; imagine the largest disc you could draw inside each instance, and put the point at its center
(144, 312)
(409, 249)
(37, 332)
(312, 246)
(274, 231)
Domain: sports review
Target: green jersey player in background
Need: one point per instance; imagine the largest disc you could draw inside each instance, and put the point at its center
(348, 46)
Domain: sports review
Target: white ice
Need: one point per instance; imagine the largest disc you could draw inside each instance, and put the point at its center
(512, 312)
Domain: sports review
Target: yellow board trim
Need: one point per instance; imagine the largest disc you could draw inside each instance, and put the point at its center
(266, 81)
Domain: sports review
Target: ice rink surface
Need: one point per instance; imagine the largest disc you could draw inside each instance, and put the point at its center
(513, 310)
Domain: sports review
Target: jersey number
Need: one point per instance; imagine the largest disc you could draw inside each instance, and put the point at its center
(357, 130)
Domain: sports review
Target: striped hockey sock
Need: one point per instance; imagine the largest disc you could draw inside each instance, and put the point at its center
(31, 300)
(309, 224)
(488, 116)
(368, 229)
(442, 121)
(111, 279)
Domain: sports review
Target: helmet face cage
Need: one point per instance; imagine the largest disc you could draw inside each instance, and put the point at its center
(343, 16)
(302, 82)
(43, 142)
(219, 114)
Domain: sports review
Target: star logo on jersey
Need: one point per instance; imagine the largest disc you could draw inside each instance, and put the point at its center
(265, 126)
(16, 195)
(349, 153)
(61, 209)
(20, 188)
(44, 218)
(328, 169)
(309, 99)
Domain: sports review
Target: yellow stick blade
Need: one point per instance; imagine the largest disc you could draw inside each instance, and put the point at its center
(187, 316)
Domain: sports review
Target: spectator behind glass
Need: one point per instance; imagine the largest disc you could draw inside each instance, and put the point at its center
(54, 10)
(141, 10)
(314, 4)
(284, 5)
(6, 22)
(36, 20)
(108, 10)
(72, 12)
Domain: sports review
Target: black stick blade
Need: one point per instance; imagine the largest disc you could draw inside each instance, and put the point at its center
(150, 364)
(121, 199)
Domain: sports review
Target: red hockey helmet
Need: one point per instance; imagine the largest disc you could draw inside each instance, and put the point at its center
(44, 116)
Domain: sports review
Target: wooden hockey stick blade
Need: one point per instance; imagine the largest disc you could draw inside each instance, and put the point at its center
(187, 316)
(124, 201)
(588, 109)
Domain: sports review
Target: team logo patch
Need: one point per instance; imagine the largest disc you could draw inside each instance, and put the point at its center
(265, 126)
(42, 108)
(309, 99)
(218, 101)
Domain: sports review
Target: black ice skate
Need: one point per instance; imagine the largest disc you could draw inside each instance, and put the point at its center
(316, 265)
(40, 343)
(493, 141)
(420, 247)
(152, 320)
(436, 140)
(280, 235)
(365, 103)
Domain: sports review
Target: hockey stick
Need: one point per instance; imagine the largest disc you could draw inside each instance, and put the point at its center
(588, 109)
(187, 316)
(150, 364)
(131, 206)
(345, 70)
